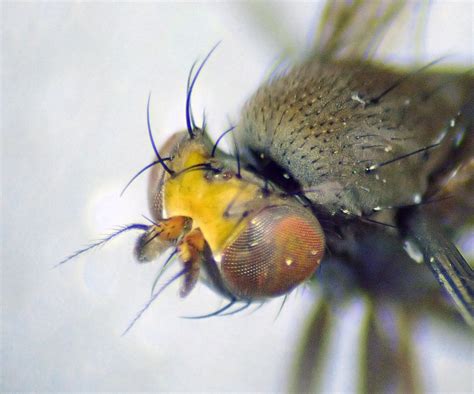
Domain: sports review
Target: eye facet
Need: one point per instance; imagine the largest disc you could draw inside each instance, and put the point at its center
(281, 246)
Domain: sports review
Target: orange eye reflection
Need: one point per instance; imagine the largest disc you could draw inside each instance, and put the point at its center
(280, 248)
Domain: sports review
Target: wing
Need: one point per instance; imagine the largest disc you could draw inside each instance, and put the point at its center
(353, 30)
(448, 265)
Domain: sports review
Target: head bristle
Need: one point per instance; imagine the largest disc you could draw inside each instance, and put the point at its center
(189, 117)
(150, 134)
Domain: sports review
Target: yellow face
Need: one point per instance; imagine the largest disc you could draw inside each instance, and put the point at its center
(216, 202)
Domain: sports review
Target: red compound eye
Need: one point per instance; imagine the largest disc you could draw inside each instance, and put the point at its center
(280, 248)
(158, 176)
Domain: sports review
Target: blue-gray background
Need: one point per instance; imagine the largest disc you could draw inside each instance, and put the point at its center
(75, 78)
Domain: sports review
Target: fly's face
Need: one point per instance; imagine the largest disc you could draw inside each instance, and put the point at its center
(227, 226)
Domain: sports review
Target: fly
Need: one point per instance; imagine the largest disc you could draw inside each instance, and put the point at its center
(341, 173)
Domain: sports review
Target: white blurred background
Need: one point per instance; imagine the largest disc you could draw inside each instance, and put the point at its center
(75, 79)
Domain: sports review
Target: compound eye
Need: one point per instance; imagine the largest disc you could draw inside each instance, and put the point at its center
(280, 248)
(158, 176)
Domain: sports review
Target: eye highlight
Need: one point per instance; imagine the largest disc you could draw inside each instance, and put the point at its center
(279, 248)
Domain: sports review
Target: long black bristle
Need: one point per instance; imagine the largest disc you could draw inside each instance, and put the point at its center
(153, 298)
(141, 172)
(235, 311)
(237, 157)
(188, 84)
(214, 148)
(150, 134)
(281, 306)
(377, 222)
(215, 313)
(375, 100)
(162, 270)
(203, 126)
(189, 121)
(376, 166)
(198, 167)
